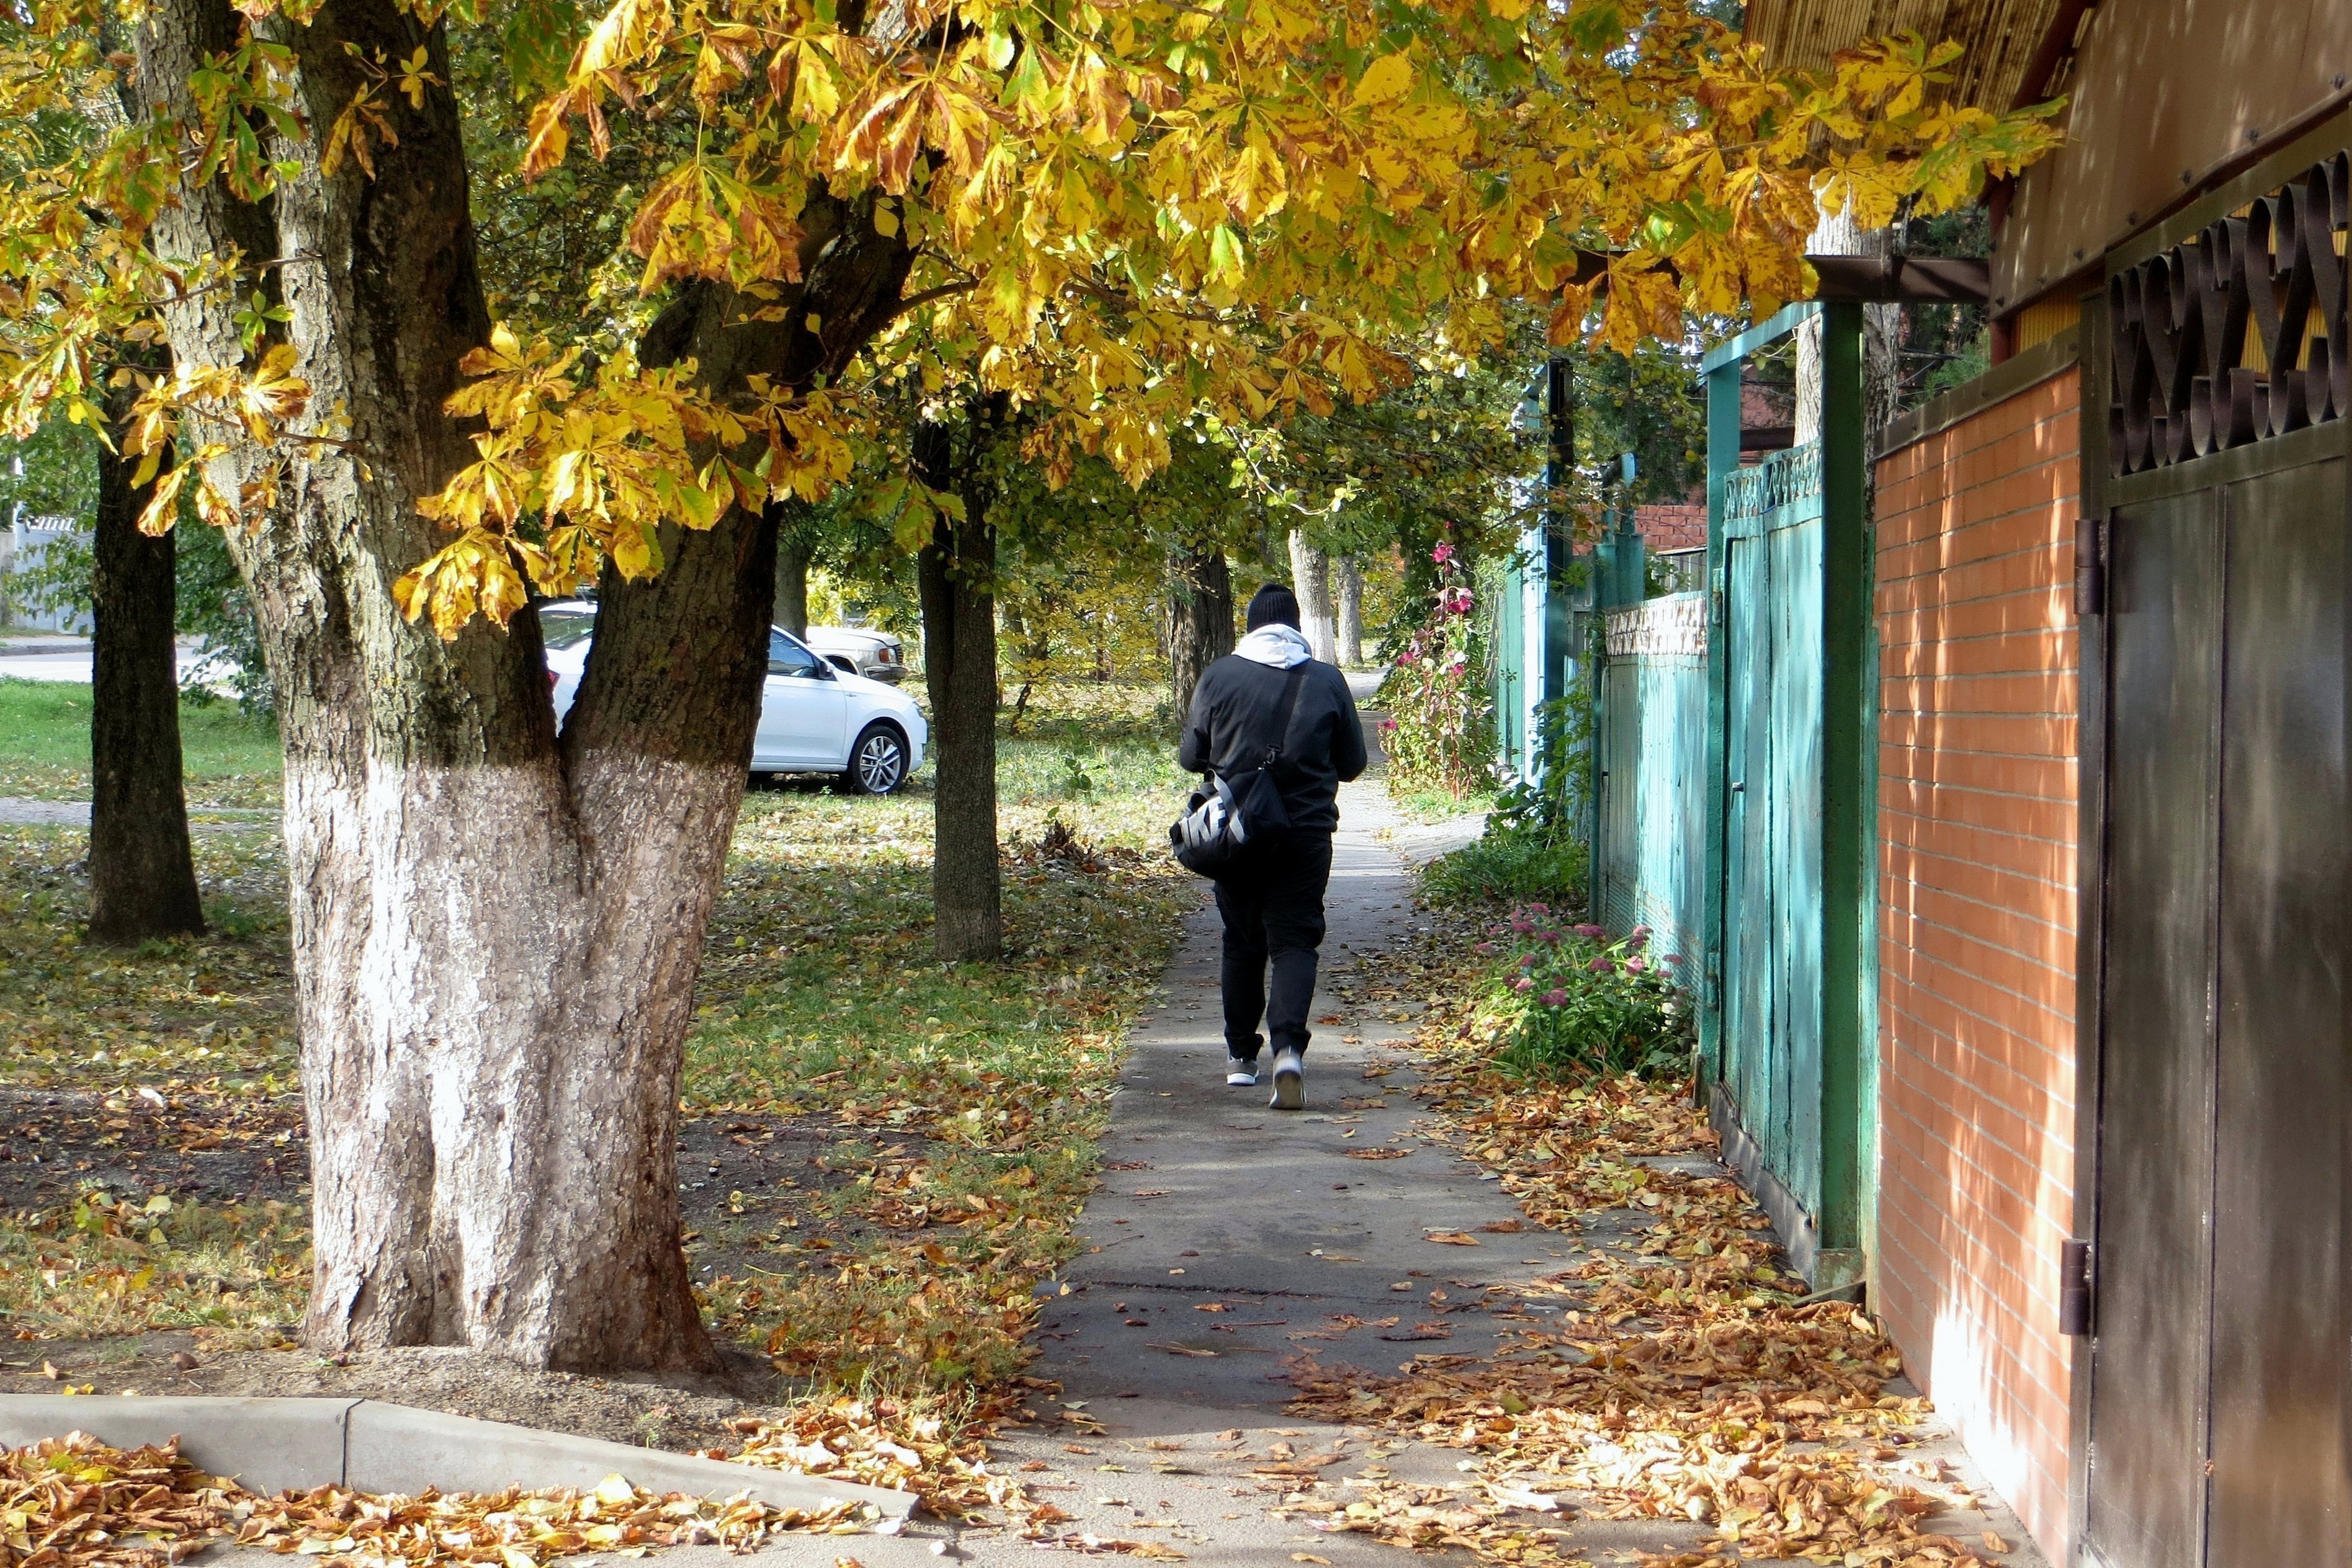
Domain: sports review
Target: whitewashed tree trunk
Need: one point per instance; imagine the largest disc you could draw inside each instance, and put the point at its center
(1351, 574)
(1310, 579)
(1881, 335)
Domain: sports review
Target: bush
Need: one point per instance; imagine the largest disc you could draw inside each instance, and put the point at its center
(1440, 732)
(1571, 1001)
(1509, 861)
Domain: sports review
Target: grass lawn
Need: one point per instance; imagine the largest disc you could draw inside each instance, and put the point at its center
(230, 760)
(882, 1154)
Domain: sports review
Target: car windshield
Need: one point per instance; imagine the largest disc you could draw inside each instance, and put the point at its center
(788, 657)
(564, 628)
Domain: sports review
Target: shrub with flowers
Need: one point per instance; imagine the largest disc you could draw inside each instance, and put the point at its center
(1440, 732)
(1565, 998)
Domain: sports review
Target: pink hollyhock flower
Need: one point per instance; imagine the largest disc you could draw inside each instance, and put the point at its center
(1637, 965)
(1442, 554)
(1640, 935)
(1523, 985)
(1405, 658)
(1388, 724)
(1554, 997)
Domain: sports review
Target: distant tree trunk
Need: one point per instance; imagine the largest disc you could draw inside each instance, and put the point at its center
(1200, 620)
(956, 574)
(794, 553)
(1310, 579)
(1350, 574)
(143, 879)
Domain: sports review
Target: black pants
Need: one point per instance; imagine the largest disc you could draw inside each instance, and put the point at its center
(1273, 909)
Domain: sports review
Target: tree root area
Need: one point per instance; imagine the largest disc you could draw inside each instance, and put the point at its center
(81, 1172)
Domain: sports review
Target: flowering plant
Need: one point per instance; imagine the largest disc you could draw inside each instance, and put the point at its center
(1567, 999)
(1439, 733)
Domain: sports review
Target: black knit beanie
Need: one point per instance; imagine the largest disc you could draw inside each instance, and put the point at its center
(1271, 603)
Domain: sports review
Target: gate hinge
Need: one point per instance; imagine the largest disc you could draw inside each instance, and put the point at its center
(2075, 1287)
(2090, 567)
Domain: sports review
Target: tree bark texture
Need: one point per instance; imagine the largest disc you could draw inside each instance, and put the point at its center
(143, 878)
(1310, 580)
(495, 928)
(956, 574)
(1200, 619)
(1350, 571)
(1881, 335)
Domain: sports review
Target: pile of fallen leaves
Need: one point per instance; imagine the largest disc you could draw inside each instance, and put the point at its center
(72, 1501)
(1686, 1378)
(941, 1457)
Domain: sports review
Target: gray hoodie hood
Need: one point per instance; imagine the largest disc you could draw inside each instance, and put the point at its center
(1277, 645)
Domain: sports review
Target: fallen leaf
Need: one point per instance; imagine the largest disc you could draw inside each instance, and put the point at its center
(1452, 1238)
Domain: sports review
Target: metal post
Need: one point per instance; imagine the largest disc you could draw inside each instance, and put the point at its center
(1849, 820)
(1722, 460)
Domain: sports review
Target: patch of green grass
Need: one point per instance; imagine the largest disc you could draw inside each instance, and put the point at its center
(229, 759)
(1436, 805)
(114, 1265)
(217, 1007)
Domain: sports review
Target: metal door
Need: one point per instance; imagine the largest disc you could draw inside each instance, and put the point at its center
(1748, 924)
(2217, 1373)
(1772, 902)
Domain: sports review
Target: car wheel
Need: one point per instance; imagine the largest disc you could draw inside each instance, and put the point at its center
(877, 763)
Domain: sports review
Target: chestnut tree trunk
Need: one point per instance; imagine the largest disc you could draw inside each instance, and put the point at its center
(495, 928)
(1200, 619)
(143, 878)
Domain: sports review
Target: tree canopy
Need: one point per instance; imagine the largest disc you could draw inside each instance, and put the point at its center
(1122, 213)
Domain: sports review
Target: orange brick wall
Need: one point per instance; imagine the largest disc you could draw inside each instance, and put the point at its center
(1977, 782)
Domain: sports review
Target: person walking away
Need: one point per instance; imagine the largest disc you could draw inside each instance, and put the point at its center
(1272, 898)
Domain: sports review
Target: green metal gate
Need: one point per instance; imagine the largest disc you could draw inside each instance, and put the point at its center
(1788, 1005)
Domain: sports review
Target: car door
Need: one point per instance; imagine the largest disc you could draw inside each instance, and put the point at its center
(802, 710)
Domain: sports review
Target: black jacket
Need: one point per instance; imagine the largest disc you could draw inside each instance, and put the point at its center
(1233, 710)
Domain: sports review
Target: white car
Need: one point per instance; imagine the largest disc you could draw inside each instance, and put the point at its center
(861, 651)
(814, 718)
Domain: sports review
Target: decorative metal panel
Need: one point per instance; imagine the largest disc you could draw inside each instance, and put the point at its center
(1651, 857)
(1672, 626)
(2237, 334)
(1784, 479)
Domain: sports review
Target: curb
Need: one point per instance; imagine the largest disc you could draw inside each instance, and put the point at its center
(369, 1446)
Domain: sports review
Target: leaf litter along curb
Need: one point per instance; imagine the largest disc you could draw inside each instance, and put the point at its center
(75, 1502)
(1685, 1382)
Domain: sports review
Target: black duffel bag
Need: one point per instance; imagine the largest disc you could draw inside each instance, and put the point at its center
(1228, 819)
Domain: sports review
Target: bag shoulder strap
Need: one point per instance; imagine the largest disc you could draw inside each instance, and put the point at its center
(1298, 678)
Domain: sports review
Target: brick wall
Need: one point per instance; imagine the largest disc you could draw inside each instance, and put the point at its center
(1666, 525)
(1976, 796)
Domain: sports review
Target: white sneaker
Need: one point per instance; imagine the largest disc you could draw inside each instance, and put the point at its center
(1290, 1081)
(1240, 1074)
